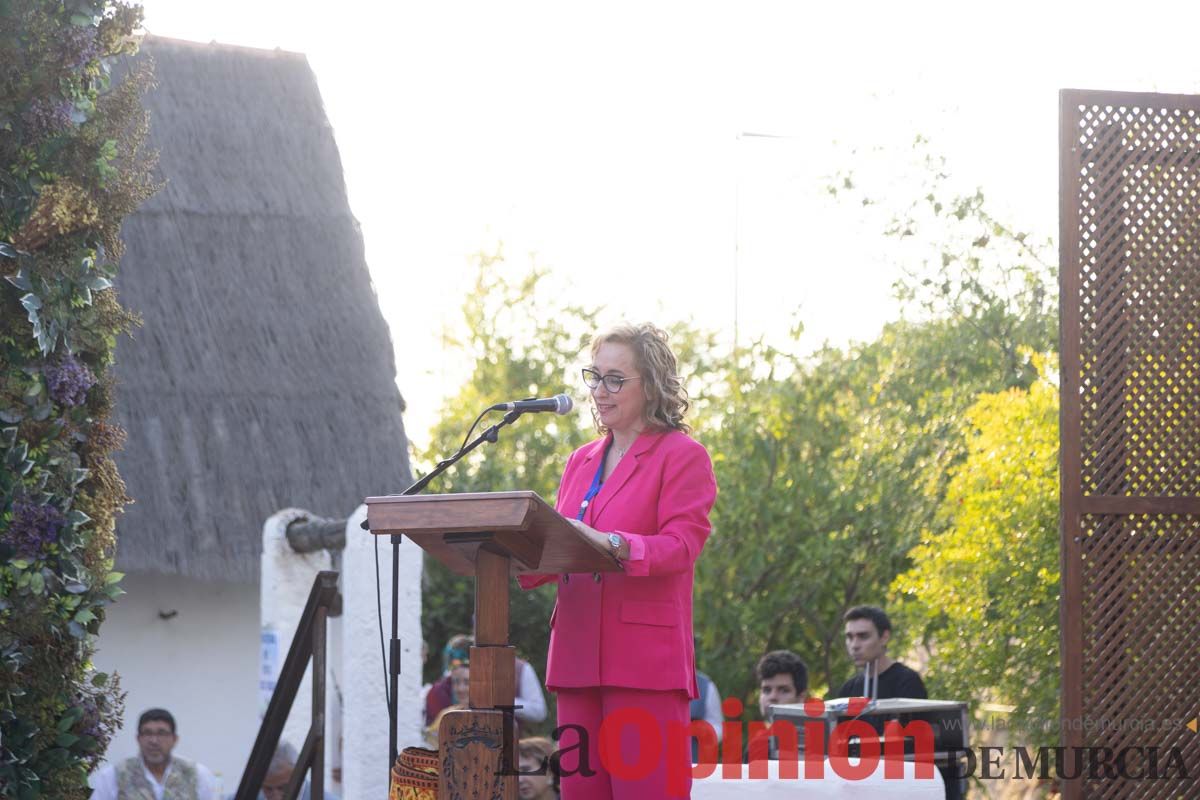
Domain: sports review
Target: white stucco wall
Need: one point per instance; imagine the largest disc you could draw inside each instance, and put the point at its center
(364, 713)
(200, 664)
(287, 579)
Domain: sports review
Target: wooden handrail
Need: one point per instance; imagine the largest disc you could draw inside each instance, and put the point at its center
(308, 643)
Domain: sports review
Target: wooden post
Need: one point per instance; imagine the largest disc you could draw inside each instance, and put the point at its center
(493, 660)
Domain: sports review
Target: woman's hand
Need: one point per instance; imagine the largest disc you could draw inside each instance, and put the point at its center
(601, 539)
(591, 533)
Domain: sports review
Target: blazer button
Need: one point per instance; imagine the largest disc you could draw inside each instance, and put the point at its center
(596, 577)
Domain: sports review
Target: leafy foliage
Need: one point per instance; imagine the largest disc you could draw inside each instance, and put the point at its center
(982, 593)
(833, 469)
(71, 168)
(829, 469)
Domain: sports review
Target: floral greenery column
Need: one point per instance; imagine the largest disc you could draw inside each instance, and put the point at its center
(71, 168)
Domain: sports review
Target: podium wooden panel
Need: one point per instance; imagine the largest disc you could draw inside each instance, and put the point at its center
(493, 536)
(471, 764)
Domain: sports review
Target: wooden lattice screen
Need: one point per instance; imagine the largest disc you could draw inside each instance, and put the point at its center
(1130, 256)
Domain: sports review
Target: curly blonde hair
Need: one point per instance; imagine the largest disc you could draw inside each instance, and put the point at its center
(666, 399)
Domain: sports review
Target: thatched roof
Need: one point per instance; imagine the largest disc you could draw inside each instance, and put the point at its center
(263, 377)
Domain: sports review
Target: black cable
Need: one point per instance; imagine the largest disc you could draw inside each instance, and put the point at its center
(416, 487)
(379, 616)
(471, 430)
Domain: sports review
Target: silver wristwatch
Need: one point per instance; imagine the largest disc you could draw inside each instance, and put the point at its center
(615, 541)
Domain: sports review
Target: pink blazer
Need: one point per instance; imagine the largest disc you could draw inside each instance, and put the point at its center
(633, 628)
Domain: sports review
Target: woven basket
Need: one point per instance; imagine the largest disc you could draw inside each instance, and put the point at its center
(415, 775)
(421, 759)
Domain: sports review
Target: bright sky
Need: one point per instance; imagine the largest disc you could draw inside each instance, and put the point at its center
(610, 139)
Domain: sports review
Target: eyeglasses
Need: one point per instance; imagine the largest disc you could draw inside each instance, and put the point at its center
(155, 734)
(612, 383)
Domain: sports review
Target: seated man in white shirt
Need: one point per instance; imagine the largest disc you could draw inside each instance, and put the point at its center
(154, 772)
(530, 702)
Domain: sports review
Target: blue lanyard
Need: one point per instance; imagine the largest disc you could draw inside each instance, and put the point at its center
(594, 489)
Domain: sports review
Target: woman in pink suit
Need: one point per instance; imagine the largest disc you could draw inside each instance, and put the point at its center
(623, 640)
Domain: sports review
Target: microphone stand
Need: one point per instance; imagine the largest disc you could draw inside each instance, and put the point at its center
(489, 435)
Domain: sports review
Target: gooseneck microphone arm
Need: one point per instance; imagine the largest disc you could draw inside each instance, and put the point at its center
(490, 435)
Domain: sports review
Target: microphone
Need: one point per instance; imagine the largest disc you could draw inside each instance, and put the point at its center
(559, 404)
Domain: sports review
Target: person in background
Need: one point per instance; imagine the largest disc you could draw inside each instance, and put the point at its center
(441, 693)
(460, 690)
(279, 772)
(782, 679)
(155, 773)
(868, 631)
(706, 706)
(535, 755)
(530, 700)
(460, 683)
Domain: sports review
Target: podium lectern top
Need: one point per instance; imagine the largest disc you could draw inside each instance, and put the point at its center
(454, 527)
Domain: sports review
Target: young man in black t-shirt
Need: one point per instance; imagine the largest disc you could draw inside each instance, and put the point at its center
(868, 631)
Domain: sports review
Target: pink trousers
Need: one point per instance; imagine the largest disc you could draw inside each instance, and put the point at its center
(632, 746)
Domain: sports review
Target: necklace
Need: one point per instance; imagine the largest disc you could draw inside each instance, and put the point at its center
(619, 452)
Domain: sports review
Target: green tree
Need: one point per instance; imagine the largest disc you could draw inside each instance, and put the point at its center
(832, 466)
(982, 592)
(71, 168)
(829, 469)
(521, 343)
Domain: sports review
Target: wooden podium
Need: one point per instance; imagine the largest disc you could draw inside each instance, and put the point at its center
(493, 536)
